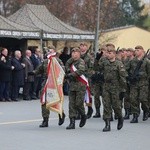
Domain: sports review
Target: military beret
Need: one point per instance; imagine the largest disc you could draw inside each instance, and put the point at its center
(75, 49)
(83, 43)
(130, 49)
(111, 49)
(52, 47)
(139, 47)
(110, 45)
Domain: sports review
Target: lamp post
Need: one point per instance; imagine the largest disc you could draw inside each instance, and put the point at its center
(97, 27)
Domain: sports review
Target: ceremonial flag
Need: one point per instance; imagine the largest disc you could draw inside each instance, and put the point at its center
(52, 94)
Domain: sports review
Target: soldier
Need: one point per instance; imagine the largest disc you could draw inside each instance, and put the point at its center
(42, 69)
(77, 88)
(123, 95)
(88, 70)
(127, 107)
(114, 78)
(97, 81)
(139, 85)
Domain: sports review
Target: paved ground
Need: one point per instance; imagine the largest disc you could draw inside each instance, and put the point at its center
(19, 130)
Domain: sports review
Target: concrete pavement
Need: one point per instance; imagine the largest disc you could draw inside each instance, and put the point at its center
(19, 130)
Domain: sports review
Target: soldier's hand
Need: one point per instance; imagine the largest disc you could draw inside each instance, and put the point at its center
(121, 95)
(69, 76)
(99, 55)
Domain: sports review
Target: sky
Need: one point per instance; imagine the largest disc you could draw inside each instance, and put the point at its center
(147, 1)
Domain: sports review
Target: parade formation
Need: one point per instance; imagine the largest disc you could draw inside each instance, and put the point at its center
(120, 77)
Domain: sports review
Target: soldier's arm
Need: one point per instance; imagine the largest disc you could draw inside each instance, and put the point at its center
(68, 65)
(148, 68)
(40, 69)
(90, 66)
(122, 75)
(80, 70)
(61, 64)
(100, 65)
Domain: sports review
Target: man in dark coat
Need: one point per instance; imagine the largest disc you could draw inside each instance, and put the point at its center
(5, 75)
(29, 76)
(17, 75)
(36, 60)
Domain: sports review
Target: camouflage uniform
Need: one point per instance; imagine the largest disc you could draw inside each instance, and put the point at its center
(139, 90)
(125, 93)
(97, 87)
(77, 89)
(42, 69)
(88, 72)
(114, 78)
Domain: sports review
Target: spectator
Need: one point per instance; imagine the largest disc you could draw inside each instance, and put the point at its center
(36, 60)
(29, 76)
(5, 75)
(17, 75)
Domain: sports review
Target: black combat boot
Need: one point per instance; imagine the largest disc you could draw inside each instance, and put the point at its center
(72, 124)
(61, 120)
(127, 114)
(145, 115)
(135, 119)
(97, 114)
(120, 123)
(83, 121)
(78, 116)
(90, 112)
(44, 123)
(107, 125)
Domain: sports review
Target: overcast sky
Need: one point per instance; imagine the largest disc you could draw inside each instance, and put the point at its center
(147, 1)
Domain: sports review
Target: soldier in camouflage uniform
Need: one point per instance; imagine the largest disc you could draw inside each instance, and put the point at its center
(124, 93)
(114, 78)
(88, 70)
(126, 61)
(97, 81)
(139, 85)
(77, 88)
(42, 69)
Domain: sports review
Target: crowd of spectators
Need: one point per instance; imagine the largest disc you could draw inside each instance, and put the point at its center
(17, 74)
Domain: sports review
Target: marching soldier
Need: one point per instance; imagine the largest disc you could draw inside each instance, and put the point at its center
(139, 84)
(42, 69)
(75, 67)
(88, 70)
(127, 107)
(114, 78)
(97, 81)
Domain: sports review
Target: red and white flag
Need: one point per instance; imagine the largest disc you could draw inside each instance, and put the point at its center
(84, 80)
(52, 94)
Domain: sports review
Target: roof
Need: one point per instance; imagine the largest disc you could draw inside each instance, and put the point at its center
(11, 29)
(118, 28)
(38, 16)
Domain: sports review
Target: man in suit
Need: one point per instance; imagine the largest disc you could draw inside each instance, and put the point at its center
(5, 75)
(29, 76)
(36, 60)
(17, 75)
